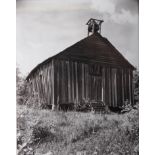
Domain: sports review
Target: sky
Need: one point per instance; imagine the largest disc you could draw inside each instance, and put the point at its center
(46, 27)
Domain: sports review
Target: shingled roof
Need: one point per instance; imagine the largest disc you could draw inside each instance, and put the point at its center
(92, 49)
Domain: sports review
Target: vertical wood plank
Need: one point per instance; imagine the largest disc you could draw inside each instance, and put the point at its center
(73, 79)
(129, 86)
(53, 94)
(132, 88)
(125, 86)
(69, 81)
(83, 82)
(115, 85)
(122, 87)
(76, 79)
(109, 82)
(102, 98)
(87, 82)
(104, 84)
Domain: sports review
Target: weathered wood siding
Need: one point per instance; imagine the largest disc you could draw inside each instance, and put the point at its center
(61, 82)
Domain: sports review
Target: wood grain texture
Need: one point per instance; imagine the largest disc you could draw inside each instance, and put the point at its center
(70, 82)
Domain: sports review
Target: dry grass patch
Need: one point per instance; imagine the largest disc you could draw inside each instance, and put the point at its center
(65, 133)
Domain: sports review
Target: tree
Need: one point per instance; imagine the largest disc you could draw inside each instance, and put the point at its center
(136, 85)
(21, 88)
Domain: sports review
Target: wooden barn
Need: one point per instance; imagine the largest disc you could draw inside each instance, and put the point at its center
(91, 70)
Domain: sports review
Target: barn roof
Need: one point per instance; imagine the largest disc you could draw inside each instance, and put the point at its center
(92, 49)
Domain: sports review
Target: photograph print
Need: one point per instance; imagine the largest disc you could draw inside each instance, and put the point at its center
(77, 77)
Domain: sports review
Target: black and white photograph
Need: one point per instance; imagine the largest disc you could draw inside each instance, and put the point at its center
(77, 77)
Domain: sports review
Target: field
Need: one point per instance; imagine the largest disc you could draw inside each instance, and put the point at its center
(71, 133)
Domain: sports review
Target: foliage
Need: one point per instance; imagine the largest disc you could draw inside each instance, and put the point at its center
(42, 133)
(66, 133)
(21, 87)
(22, 95)
(136, 85)
(35, 101)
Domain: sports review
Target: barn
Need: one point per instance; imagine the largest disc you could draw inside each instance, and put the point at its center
(92, 70)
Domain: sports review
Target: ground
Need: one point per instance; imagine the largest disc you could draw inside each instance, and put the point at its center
(70, 133)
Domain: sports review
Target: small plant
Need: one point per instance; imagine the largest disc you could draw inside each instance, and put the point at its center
(66, 133)
(136, 86)
(84, 130)
(84, 106)
(35, 101)
(40, 133)
(127, 107)
(133, 119)
(61, 119)
(21, 88)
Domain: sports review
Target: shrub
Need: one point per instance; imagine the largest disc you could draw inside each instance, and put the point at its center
(41, 133)
(84, 129)
(133, 119)
(83, 106)
(61, 119)
(21, 88)
(70, 132)
(34, 101)
(136, 86)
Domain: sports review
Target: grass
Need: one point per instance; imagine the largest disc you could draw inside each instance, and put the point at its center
(65, 133)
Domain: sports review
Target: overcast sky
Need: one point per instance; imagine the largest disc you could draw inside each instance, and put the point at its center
(46, 27)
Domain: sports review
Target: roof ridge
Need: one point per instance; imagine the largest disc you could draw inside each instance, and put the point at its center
(90, 47)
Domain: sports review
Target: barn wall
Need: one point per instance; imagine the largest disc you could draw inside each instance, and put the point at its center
(61, 82)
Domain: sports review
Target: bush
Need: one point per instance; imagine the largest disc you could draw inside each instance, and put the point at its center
(21, 88)
(133, 119)
(84, 130)
(61, 119)
(22, 95)
(69, 132)
(34, 101)
(136, 86)
(42, 133)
